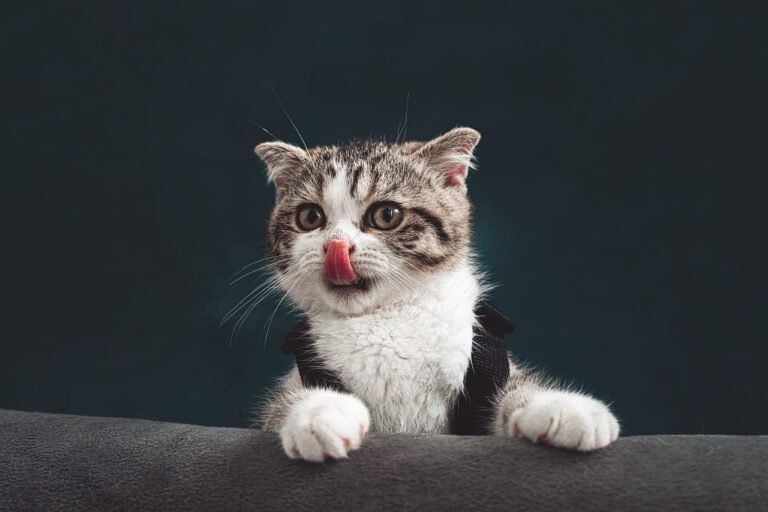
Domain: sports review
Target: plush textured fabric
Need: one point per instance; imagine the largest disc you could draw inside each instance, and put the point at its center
(57, 462)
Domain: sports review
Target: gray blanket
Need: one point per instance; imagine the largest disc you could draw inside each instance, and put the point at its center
(57, 462)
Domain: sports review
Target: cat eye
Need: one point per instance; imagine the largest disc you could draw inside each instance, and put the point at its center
(384, 216)
(309, 217)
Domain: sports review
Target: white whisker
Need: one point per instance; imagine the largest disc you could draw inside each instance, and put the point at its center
(280, 102)
(272, 316)
(264, 129)
(269, 265)
(250, 265)
(258, 294)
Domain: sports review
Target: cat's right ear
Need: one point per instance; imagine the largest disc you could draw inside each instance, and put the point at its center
(282, 160)
(452, 154)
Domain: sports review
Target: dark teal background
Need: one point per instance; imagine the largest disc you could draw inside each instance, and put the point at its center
(620, 196)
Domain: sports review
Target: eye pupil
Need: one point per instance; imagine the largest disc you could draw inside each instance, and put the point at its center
(385, 216)
(309, 217)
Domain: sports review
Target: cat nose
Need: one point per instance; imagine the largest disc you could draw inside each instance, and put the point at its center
(339, 244)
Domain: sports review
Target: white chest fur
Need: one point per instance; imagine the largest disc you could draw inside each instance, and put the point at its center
(406, 361)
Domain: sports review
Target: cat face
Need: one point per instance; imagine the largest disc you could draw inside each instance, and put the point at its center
(358, 226)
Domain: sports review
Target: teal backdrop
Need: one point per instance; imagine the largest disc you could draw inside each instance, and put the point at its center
(621, 193)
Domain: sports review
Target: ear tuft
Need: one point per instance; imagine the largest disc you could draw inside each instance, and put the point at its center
(452, 154)
(281, 160)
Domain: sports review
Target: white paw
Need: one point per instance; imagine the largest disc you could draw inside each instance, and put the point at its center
(565, 420)
(324, 425)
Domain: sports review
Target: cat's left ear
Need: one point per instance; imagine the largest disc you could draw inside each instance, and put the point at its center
(451, 154)
(283, 160)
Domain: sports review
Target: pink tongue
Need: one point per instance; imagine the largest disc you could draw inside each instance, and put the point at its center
(338, 268)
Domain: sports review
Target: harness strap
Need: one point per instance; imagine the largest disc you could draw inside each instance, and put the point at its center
(487, 373)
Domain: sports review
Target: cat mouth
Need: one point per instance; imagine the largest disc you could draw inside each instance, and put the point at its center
(360, 286)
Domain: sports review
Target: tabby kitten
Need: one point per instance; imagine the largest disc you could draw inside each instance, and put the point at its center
(371, 241)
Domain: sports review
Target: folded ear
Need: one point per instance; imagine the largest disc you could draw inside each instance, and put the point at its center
(282, 159)
(451, 154)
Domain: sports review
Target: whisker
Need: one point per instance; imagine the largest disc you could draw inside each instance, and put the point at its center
(405, 121)
(247, 312)
(269, 265)
(398, 285)
(267, 288)
(265, 130)
(272, 316)
(247, 299)
(250, 265)
(280, 102)
(257, 294)
(404, 276)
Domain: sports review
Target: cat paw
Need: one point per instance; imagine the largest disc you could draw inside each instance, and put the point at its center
(566, 420)
(325, 425)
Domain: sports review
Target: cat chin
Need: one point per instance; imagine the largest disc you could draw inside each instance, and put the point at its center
(352, 304)
(348, 301)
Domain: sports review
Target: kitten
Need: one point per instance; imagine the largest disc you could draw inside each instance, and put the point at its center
(371, 241)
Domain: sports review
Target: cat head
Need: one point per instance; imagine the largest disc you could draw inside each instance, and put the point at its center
(360, 225)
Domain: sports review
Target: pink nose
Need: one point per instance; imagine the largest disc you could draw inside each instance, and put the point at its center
(338, 268)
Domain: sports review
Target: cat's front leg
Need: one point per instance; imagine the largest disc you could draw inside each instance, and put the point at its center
(313, 423)
(543, 414)
(324, 424)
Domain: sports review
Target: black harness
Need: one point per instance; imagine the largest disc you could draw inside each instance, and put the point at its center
(487, 373)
